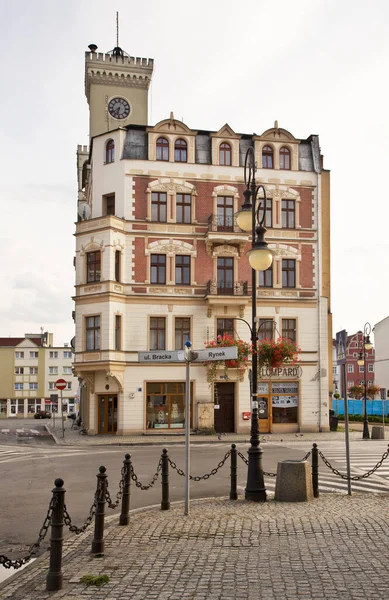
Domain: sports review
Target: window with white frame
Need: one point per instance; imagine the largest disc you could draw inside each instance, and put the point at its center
(19, 355)
(53, 354)
(350, 368)
(67, 354)
(53, 370)
(33, 386)
(33, 354)
(371, 368)
(18, 386)
(33, 370)
(52, 385)
(361, 368)
(334, 370)
(68, 385)
(67, 370)
(19, 370)
(350, 384)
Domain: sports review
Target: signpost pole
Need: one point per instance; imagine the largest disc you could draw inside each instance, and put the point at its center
(187, 424)
(347, 437)
(63, 424)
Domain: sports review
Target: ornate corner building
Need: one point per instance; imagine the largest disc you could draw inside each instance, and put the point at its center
(160, 260)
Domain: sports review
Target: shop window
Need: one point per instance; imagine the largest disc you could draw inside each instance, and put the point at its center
(93, 267)
(165, 405)
(288, 273)
(288, 214)
(158, 268)
(92, 333)
(183, 208)
(289, 329)
(157, 333)
(159, 206)
(110, 152)
(181, 332)
(180, 151)
(118, 332)
(266, 278)
(266, 329)
(182, 270)
(225, 327)
(225, 154)
(162, 149)
(267, 157)
(284, 158)
(284, 402)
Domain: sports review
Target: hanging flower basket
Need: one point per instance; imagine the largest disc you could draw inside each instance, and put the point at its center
(240, 363)
(272, 354)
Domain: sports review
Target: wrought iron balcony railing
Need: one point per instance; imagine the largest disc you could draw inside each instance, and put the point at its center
(227, 288)
(221, 223)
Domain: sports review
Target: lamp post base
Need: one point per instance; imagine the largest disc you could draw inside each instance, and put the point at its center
(366, 434)
(255, 487)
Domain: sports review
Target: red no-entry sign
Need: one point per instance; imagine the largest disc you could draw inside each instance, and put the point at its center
(60, 384)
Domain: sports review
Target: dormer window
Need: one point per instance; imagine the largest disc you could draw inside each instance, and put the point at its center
(284, 158)
(110, 152)
(225, 154)
(180, 151)
(162, 149)
(267, 157)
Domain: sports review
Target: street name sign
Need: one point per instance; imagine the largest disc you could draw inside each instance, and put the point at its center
(228, 353)
(161, 356)
(341, 343)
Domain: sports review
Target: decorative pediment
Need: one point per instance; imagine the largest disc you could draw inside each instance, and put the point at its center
(27, 343)
(92, 245)
(277, 134)
(171, 125)
(285, 251)
(225, 190)
(225, 250)
(170, 247)
(226, 132)
(175, 186)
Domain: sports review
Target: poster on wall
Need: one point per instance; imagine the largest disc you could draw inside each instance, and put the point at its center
(285, 401)
(284, 387)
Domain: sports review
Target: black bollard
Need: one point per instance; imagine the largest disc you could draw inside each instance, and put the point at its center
(125, 514)
(315, 470)
(54, 576)
(234, 473)
(98, 539)
(165, 504)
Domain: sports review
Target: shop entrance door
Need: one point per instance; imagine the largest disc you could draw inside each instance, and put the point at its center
(263, 414)
(108, 414)
(224, 418)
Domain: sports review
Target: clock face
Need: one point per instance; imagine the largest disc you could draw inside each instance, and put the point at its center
(119, 108)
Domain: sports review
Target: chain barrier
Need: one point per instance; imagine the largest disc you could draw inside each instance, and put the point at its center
(308, 454)
(9, 563)
(119, 494)
(203, 477)
(245, 460)
(354, 477)
(68, 520)
(153, 479)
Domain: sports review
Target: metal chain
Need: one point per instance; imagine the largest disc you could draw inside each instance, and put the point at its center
(354, 477)
(153, 479)
(207, 475)
(265, 472)
(8, 563)
(67, 518)
(308, 454)
(119, 494)
(243, 457)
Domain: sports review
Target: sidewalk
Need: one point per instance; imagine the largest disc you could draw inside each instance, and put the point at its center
(74, 438)
(333, 547)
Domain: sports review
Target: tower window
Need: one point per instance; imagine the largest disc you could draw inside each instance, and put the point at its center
(225, 154)
(284, 158)
(110, 152)
(93, 267)
(180, 151)
(109, 204)
(162, 149)
(267, 157)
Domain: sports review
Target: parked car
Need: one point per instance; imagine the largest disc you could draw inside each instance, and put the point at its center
(42, 414)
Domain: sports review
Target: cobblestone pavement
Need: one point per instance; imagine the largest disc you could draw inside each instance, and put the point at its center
(333, 547)
(74, 438)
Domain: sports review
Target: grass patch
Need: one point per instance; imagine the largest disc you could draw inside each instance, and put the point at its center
(97, 580)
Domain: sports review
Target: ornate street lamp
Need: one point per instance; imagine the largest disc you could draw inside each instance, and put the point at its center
(366, 345)
(260, 258)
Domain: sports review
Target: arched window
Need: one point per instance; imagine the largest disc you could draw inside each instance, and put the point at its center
(162, 149)
(284, 158)
(180, 151)
(225, 154)
(110, 152)
(267, 157)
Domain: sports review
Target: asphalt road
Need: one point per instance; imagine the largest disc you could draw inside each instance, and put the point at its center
(28, 474)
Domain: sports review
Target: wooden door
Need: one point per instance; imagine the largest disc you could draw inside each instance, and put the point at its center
(108, 414)
(224, 416)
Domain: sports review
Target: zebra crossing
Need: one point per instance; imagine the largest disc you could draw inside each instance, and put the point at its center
(364, 455)
(15, 454)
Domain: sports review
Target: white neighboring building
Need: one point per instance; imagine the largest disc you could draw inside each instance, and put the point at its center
(381, 344)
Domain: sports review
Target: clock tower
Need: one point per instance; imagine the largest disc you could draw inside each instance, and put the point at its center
(116, 87)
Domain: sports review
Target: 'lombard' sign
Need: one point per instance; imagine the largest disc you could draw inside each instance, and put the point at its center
(294, 372)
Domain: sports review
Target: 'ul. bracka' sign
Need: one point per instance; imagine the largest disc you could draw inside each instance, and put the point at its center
(294, 372)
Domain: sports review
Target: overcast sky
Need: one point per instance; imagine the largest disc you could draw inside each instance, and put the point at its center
(317, 66)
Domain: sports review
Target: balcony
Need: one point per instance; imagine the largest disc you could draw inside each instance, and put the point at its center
(223, 229)
(227, 288)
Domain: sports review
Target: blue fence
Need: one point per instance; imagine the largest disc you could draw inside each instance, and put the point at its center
(355, 407)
